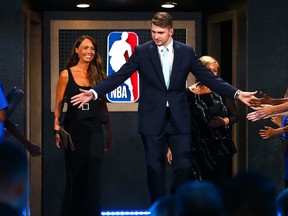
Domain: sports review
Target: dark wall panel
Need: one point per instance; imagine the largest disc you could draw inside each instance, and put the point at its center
(12, 55)
(124, 171)
(268, 72)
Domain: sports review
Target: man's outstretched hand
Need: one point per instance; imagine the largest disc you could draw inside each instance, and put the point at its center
(249, 99)
(263, 99)
(82, 98)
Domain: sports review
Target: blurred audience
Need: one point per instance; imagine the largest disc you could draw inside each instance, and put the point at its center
(201, 198)
(249, 193)
(13, 179)
(165, 206)
(282, 203)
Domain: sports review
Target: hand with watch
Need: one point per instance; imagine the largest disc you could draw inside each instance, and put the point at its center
(248, 98)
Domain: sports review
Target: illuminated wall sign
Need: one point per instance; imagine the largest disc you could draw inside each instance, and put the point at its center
(119, 47)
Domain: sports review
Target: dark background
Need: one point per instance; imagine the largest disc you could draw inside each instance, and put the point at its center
(262, 34)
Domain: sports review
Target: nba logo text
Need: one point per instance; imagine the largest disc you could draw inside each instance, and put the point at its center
(120, 46)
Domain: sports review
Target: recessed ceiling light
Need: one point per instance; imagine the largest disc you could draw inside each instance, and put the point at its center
(168, 4)
(83, 5)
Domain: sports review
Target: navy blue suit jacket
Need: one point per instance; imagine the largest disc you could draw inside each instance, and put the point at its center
(153, 91)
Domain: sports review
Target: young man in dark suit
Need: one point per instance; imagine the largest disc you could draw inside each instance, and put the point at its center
(163, 113)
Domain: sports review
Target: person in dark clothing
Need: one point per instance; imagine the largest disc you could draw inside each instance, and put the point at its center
(84, 160)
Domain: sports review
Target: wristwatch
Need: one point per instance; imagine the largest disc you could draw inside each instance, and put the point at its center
(237, 94)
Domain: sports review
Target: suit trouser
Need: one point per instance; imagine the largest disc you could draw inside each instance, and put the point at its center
(155, 151)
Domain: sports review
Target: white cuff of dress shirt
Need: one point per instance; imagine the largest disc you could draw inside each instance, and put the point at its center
(237, 93)
(95, 95)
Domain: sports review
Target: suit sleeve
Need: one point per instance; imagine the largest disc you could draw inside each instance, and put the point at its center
(116, 79)
(215, 83)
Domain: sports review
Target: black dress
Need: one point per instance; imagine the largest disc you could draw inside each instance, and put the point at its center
(214, 146)
(83, 165)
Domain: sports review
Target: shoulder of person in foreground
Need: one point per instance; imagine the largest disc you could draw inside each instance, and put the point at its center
(165, 206)
(249, 193)
(13, 176)
(201, 198)
(282, 203)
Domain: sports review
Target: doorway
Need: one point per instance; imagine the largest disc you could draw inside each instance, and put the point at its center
(33, 101)
(222, 45)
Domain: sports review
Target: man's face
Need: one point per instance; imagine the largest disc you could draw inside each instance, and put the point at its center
(161, 36)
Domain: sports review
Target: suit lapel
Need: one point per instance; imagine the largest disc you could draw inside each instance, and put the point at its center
(176, 61)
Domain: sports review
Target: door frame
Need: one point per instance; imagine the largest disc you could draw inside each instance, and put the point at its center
(214, 49)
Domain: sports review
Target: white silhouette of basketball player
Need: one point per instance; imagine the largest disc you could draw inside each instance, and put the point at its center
(117, 53)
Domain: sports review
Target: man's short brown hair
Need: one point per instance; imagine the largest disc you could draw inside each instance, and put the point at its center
(163, 20)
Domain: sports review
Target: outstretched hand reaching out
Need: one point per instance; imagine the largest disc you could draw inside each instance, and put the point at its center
(82, 98)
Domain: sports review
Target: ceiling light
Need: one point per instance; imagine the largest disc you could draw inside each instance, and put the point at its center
(168, 4)
(83, 4)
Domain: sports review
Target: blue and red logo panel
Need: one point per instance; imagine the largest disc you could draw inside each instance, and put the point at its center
(120, 46)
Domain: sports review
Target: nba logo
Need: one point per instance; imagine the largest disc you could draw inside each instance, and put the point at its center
(120, 46)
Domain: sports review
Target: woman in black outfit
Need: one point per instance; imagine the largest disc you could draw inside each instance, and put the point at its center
(84, 161)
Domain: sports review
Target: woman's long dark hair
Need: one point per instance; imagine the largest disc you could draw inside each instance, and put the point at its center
(96, 71)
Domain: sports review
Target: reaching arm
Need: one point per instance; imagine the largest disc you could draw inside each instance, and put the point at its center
(14, 98)
(247, 98)
(266, 111)
(277, 109)
(283, 113)
(268, 132)
(266, 99)
(32, 148)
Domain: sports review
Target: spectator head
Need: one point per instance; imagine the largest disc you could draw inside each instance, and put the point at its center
(165, 206)
(13, 176)
(282, 203)
(200, 198)
(249, 193)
